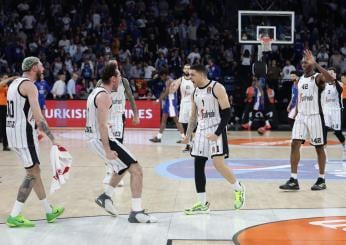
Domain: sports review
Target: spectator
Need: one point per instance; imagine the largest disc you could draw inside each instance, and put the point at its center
(28, 21)
(148, 70)
(259, 68)
(80, 90)
(323, 57)
(335, 60)
(274, 75)
(59, 88)
(43, 90)
(136, 71)
(194, 57)
(286, 71)
(161, 62)
(87, 72)
(214, 72)
(176, 64)
(71, 86)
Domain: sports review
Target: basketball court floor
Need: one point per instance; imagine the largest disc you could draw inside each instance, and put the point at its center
(270, 216)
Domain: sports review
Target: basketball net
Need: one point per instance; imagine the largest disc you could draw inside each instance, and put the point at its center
(265, 46)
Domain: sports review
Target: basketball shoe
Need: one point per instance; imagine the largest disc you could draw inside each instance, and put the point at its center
(141, 217)
(198, 208)
(18, 221)
(291, 185)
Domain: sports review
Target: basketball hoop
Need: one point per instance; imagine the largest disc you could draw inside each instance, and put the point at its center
(266, 44)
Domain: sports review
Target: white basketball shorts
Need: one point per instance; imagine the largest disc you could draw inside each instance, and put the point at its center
(332, 118)
(202, 147)
(312, 125)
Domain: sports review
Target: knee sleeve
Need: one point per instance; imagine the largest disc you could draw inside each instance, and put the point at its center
(200, 179)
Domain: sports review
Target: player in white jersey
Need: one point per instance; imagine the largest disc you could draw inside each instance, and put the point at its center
(23, 113)
(186, 88)
(332, 108)
(116, 118)
(309, 120)
(211, 112)
(112, 151)
(169, 100)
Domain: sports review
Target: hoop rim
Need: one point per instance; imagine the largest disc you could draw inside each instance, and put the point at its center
(266, 40)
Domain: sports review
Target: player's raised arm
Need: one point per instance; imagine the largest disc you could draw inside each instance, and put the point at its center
(324, 74)
(28, 89)
(103, 103)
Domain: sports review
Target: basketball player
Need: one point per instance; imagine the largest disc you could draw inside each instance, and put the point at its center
(291, 108)
(169, 101)
(112, 151)
(211, 112)
(186, 88)
(332, 106)
(116, 118)
(23, 111)
(309, 120)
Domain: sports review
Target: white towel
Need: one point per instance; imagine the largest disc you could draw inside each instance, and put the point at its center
(61, 161)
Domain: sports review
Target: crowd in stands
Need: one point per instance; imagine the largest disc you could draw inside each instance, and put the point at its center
(74, 39)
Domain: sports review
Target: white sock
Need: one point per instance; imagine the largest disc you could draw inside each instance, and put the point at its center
(17, 208)
(250, 123)
(237, 186)
(182, 136)
(294, 176)
(137, 204)
(109, 190)
(321, 176)
(46, 206)
(202, 197)
(267, 123)
(159, 135)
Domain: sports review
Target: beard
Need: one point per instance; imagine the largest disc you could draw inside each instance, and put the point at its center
(186, 74)
(38, 75)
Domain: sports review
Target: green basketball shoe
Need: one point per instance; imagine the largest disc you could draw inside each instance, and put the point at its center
(56, 212)
(239, 198)
(18, 221)
(198, 208)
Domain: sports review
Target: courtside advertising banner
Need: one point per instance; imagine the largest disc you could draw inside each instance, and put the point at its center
(72, 113)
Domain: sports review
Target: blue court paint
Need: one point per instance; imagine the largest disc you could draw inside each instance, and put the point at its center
(252, 169)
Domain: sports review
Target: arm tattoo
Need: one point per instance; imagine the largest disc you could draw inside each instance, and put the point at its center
(44, 127)
(191, 126)
(129, 95)
(25, 188)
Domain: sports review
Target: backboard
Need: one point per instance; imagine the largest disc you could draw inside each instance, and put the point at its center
(278, 25)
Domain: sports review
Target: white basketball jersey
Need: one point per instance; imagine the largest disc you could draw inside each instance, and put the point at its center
(92, 125)
(331, 98)
(20, 123)
(186, 89)
(207, 106)
(309, 96)
(119, 99)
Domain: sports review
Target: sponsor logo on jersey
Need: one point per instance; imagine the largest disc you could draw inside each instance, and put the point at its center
(209, 90)
(117, 102)
(207, 114)
(306, 98)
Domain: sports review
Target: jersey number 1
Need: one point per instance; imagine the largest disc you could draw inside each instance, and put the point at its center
(10, 108)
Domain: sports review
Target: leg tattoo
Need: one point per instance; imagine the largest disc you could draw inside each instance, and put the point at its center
(25, 188)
